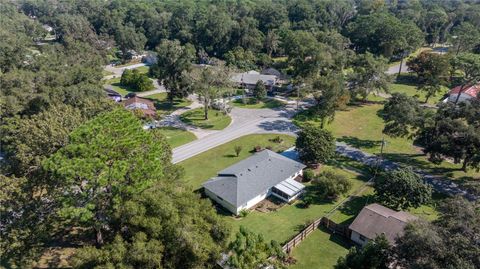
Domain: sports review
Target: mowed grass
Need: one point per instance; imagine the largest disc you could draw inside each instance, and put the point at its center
(176, 137)
(361, 127)
(411, 90)
(163, 105)
(320, 250)
(115, 82)
(203, 166)
(217, 120)
(252, 103)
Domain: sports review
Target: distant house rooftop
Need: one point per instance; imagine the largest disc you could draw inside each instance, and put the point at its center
(251, 78)
(145, 105)
(376, 219)
(473, 90)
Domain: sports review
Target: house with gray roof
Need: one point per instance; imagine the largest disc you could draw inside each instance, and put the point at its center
(375, 220)
(248, 182)
(249, 79)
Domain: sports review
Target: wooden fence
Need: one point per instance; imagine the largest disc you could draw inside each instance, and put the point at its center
(301, 236)
(325, 222)
(335, 228)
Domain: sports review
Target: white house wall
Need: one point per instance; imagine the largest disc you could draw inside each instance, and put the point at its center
(356, 238)
(463, 97)
(222, 202)
(254, 201)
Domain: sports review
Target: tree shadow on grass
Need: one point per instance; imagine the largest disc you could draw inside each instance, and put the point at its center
(354, 206)
(423, 164)
(167, 106)
(336, 238)
(359, 143)
(407, 79)
(126, 88)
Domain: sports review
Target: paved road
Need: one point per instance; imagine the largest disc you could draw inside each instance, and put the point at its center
(393, 70)
(244, 122)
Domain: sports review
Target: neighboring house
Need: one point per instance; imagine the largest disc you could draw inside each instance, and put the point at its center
(249, 79)
(468, 93)
(47, 28)
(144, 105)
(375, 220)
(248, 182)
(150, 58)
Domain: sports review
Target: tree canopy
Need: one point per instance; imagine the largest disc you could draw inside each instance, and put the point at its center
(402, 189)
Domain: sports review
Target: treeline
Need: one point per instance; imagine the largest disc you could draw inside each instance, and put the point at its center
(259, 27)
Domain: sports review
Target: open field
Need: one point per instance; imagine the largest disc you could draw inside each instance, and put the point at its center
(361, 126)
(217, 120)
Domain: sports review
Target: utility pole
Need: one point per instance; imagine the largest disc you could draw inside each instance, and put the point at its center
(298, 98)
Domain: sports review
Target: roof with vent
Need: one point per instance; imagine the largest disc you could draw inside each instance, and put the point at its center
(251, 177)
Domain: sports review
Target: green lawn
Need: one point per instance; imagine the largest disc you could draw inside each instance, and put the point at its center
(361, 126)
(177, 137)
(320, 250)
(163, 105)
(411, 90)
(143, 69)
(115, 82)
(216, 119)
(251, 103)
(203, 166)
(106, 73)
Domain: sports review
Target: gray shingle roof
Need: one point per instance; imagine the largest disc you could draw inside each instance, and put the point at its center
(252, 79)
(376, 219)
(251, 177)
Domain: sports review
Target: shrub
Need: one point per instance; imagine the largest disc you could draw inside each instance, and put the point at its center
(331, 185)
(269, 147)
(307, 201)
(308, 174)
(257, 148)
(243, 213)
(238, 149)
(277, 140)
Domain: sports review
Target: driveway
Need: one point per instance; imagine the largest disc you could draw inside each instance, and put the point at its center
(393, 70)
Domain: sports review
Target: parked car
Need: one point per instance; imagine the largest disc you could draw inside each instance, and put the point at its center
(130, 95)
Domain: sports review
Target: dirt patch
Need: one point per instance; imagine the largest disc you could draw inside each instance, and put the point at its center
(269, 204)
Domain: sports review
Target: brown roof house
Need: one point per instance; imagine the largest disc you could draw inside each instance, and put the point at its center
(141, 104)
(375, 220)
